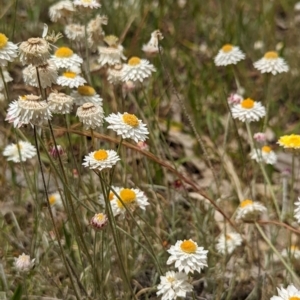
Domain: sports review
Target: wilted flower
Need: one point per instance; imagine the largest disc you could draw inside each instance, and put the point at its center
(91, 115)
(188, 257)
(152, 47)
(62, 10)
(8, 50)
(95, 32)
(229, 55)
(60, 103)
(271, 63)
(248, 111)
(19, 152)
(228, 242)
(75, 32)
(114, 73)
(249, 210)
(173, 285)
(23, 263)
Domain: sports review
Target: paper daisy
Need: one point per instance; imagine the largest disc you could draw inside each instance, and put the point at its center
(293, 252)
(227, 243)
(57, 151)
(131, 198)
(173, 285)
(229, 55)
(234, 99)
(114, 74)
(19, 152)
(111, 55)
(64, 57)
(248, 111)
(152, 47)
(70, 79)
(8, 50)
(47, 75)
(95, 31)
(188, 257)
(99, 221)
(290, 293)
(7, 78)
(101, 159)
(297, 210)
(137, 69)
(260, 137)
(29, 109)
(61, 10)
(60, 103)
(86, 4)
(34, 51)
(128, 126)
(23, 263)
(75, 32)
(271, 63)
(265, 154)
(86, 93)
(55, 200)
(91, 115)
(249, 210)
(112, 195)
(291, 141)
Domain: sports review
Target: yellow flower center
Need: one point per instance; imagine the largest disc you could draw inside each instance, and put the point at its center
(19, 146)
(294, 298)
(111, 196)
(271, 55)
(134, 61)
(69, 74)
(266, 149)
(99, 217)
(3, 40)
(290, 141)
(86, 90)
(294, 248)
(52, 199)
(228, 237)
(227, 48)
(246, 203)
(86, 1)
(247, 103)
(171, 279)
(63, 52)
(128, 197)
(188, 246)
(131, 120)
(101, 155)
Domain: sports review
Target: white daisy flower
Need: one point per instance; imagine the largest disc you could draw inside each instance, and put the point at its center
(152, 47)
(114, 74)
(87, 3)
(271, 63)
(249, 210)
(60, 103)
(34, 51)
(86, 93)
(47, 75)
(297, 210)
(132, 198)
(290, 293)
(64, 57)
(265, 154)
(61, 10)
(111, 55)
(112, 196)
(70, 79)
(55, 200)
(101, 159)
(19, 152)
(8, 50)
(229, 55)
(137, 69)
(227, 243)
(7, 78)
(91, 115)
(29, 109)
(99, 221)
(128, 126)
(293, 252)
(75, 32)
(248, 111)
(23, 263)
(173, 285)
(188, 257)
